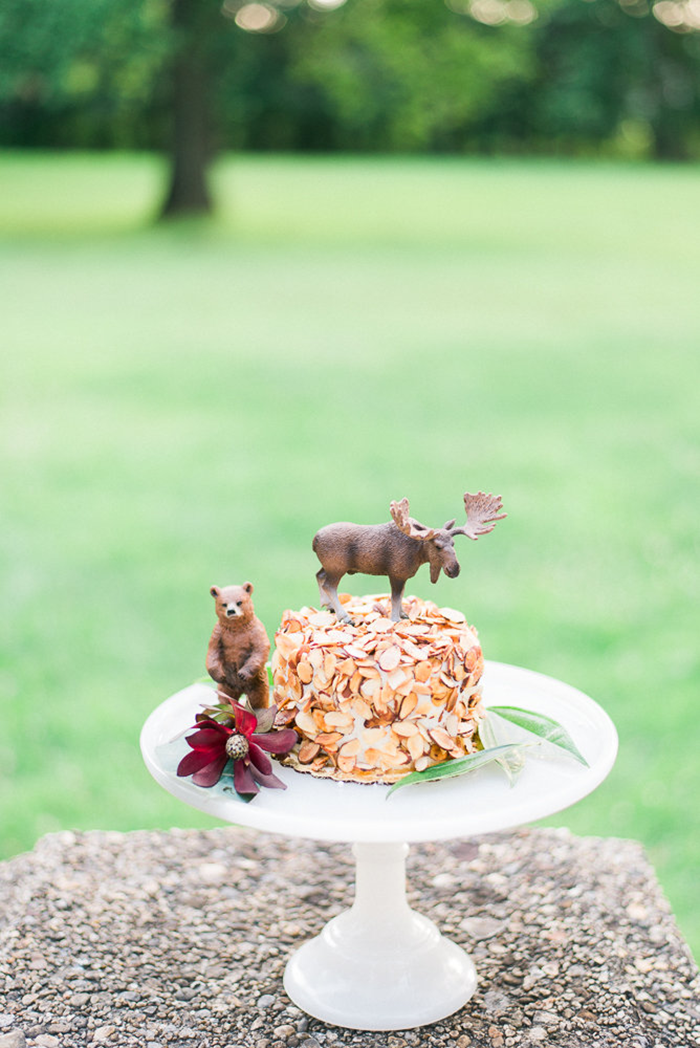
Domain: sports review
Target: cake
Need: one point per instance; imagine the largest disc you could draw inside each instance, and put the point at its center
(373, 700)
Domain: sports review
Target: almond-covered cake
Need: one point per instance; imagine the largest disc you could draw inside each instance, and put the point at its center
(373, 699)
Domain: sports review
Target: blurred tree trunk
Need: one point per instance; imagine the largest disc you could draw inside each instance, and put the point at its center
(668, 141)
(190, 151)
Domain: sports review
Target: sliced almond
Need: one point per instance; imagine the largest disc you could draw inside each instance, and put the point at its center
(412, 650)
(451, 700)
(394, 760)
(471, 659)
(350, 748)
(390, 658)
(381, 625)
(381, 719)
(306, 723)
(338, 720)
(440, 736)
(315, 658)
(373, 757)
(416, 747)
(305, 671)
(408, 705)
(354, 651)
(369, 687)
(321, 618)
(287, 645)
(405, 729)
(308, 750)
(423, 671)
(451, 724)
(363, 709)
(321, 683)
(396, 678)
(328, 739)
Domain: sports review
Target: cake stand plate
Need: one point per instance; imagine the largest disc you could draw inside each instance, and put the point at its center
(380, 965)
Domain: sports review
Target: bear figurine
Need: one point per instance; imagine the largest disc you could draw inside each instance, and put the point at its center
(239, 647)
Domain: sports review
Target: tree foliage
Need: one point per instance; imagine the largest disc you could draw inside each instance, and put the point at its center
(81, 72)
(408, 75)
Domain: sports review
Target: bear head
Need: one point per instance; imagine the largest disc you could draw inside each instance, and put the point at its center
(233, 603)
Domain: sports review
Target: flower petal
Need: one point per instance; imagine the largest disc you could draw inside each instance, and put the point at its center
(277, 741)
(208, 738)
(195, 760)
(259, 759)
(270, 781)
(243, 781)
(245, 721)
(210, 775)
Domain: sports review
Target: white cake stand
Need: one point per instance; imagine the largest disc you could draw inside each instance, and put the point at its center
(380, 965)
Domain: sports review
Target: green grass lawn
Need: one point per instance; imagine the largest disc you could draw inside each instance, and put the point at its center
(186, 405)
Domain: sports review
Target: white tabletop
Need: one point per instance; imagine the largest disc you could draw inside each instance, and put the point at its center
(480, 802)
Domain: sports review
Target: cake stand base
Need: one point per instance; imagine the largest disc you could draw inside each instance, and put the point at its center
(380, 965)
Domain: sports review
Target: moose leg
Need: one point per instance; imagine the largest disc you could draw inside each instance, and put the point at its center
(328, 589)
(397, 586)
(321, 579)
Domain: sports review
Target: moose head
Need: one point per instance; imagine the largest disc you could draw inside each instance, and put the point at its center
(397, 549)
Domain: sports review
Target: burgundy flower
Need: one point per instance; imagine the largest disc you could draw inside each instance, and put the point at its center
(213, 744)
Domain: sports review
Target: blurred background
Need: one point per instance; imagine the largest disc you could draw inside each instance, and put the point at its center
(266, 266)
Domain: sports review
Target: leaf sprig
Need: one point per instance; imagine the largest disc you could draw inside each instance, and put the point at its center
(460, 766)
(509, 755)
(546, 728)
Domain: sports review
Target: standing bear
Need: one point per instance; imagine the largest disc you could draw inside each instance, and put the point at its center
(239, 647)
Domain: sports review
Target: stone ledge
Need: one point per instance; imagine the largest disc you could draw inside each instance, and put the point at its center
(180, 939)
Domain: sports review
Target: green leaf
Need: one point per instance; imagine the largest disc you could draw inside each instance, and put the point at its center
(245, 797)
(461, 766)
(490, 737)
(221, 713)
(544, 727)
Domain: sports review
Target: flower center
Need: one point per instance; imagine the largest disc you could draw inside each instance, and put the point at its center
(236, 747)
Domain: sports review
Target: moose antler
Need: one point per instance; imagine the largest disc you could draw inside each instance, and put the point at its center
(409, 526)
(482, 513)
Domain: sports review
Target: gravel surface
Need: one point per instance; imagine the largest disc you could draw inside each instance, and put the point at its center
(179, 939)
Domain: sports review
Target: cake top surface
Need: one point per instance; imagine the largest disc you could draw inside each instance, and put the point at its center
(422, 632)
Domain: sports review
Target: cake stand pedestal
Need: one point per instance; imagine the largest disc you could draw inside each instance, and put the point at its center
(380, 965)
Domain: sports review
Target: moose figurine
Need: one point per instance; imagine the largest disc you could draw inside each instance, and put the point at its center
(397, 549)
